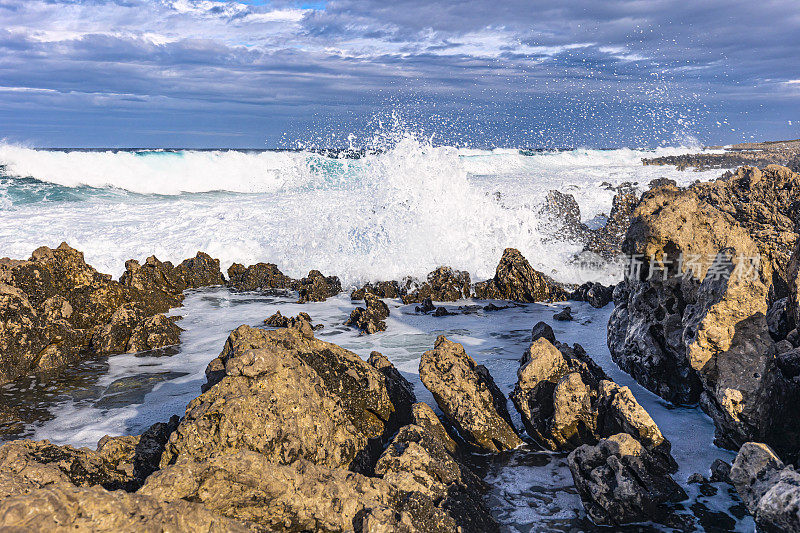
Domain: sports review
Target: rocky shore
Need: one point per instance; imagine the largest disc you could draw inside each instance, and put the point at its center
(786, 153)
(291, 432)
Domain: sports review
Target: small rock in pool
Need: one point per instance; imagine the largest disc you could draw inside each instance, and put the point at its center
(542, 329)
(426, 307)
(564, 315)
(441, 311)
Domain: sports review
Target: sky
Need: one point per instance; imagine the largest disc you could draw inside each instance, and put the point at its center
(483, 73)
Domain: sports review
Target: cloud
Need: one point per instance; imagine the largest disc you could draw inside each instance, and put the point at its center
(342, 61)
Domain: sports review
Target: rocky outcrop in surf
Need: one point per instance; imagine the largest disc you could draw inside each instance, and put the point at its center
(371, 319)
(258, 277)
(55, 308)
(769, 489)
(595, 294)
(516, 280)
(753, 154)
(690, 321)
(468, 397)
(620, 482)
(381, 289)
(442, 285)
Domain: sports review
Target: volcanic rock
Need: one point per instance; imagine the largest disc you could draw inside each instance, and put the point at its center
(422, 415)
(769, 489)
(564, 315)
(426, 307)
(443, 285)
(381, 289)
(266, 391)
(317, 288)
(596, 294)
(373, 318)
(468, 397)
(65, 507)
(619, 482)
(543, 330)
(516, 280)
(258, 277)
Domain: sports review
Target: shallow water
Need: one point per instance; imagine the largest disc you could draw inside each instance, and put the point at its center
(531, 490)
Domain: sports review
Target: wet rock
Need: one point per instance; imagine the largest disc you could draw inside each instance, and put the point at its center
(467, 395)
(27, 465)
(381, 289)
(65, 507)
(757, 154)
(563, 207)
(265, 393)
(516, 280)
(564, 315)
(317, 288)
(426, 307)
(720, 472)
(258, 277)
(443, 285)
(371, 319)
(441, 311)
(697, 330)
(543, 330)
(157, 331)
(401, 391)
(131, 330)
(607, 241)
(769, 489)
(619, 482)
(596, 294)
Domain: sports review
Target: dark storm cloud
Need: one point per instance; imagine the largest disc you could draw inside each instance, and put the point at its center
(255, 70)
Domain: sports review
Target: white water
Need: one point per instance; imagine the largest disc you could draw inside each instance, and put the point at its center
(400, 212)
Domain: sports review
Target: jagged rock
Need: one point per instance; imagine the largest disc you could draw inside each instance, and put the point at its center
(769, 489)
(258, 277)
(317, 288)
(443, 285)
(564, 315)
(720, 472)
(543, 330)
(422, 415)
(55, 308)
(516, 280)
(400, 389)
(373, 318)
(778, 319)
(27, 465)
(696, 330)
(426, 307)
(619, 482)
(381, 289)
(467, 395)
(416, 462)
(265, 392)
(563, 207)
(279, 321)
(441, 311)
(596, 294)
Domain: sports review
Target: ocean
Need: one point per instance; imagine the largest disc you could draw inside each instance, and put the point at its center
(379, 216)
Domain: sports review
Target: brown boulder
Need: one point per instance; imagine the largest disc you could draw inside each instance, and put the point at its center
(371, 319)
(467, 395)
(258, 277)
(517, 280)
(317, 288)
(442, 285)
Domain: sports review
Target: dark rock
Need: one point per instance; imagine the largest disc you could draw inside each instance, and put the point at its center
(426, 307)
(468, 397)
(696, 479)
(401, 391)
(596, 294)
(757, 154)
(371, 319)
(607, 240)
(563, 206)
(564, 315)
(778, 319)
(441, 311)
(443, 285)
(381, 289)
(516, 280)
(720, 472)
(769, 489)
(543, 330)
(317, 288)
(258, 277)
(619, 482)
(662, 182)
(279, 321)
(491, 307)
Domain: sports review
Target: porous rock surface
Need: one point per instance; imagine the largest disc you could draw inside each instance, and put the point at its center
(372, 318)
(468, 397)
(442, 285)
(769, 489)
(515, 279)
(620, 482)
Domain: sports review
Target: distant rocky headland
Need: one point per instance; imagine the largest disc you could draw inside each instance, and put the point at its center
(785, 153)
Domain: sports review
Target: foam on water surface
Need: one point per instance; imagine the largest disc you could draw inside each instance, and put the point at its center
(530, 490)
